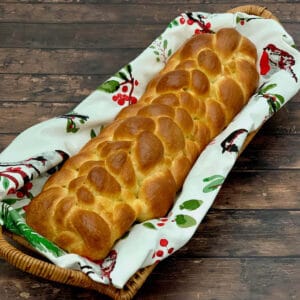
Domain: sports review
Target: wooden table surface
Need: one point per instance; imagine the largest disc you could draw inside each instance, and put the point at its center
(54, 53)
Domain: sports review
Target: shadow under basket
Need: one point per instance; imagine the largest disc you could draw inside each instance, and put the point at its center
(41, 268)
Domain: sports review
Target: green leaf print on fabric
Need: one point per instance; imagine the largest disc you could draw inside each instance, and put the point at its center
(275, 101)
(149, 225)
(111, 86)
(185, 221)
(264, 88)
(125, 86)
(93, 133)
(173, 23)
(73, 118)
(191, 204)
(10, 201)
(5, 182)
(11, 219)
(160, 49)
(214, 182)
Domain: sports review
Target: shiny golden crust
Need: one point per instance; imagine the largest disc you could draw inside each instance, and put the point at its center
(133, 169)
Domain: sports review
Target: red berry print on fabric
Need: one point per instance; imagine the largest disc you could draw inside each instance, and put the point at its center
(200, 21)
(170, 250)
(160, 223)
(163, 250)
(164, 242)
(125, 87)
(243, 20)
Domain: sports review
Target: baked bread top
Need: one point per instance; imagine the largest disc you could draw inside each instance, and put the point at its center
(133, 169)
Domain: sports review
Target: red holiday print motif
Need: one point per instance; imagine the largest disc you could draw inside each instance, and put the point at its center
(162, 222)
(125, 87)
(22, 192)
(274, 58)
(199, 20)
(108, 264)
(163, 250)
(15, 178)
(243, 20)
(229, 143)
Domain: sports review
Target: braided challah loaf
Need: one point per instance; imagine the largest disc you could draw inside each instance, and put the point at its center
(133, 169)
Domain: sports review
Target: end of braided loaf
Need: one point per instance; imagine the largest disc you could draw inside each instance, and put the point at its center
(133, 169)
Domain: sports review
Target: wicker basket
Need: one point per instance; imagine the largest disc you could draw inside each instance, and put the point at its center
(41, 268)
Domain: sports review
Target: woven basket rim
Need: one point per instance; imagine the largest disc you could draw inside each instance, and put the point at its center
(55, 273)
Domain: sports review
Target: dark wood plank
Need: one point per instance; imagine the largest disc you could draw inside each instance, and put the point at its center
(135, 13)
(6, 139)
(271, 152)
(32, 113)
(85, 36)
(89, 36)
(74, 88)
(199, 278)
(246, 233)
(66, 61)
(224, 279)
(285, 121)
(231, 2)
(48, 88)
(260, 190)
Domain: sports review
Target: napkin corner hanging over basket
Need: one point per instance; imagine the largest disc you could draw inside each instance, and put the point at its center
(47, 145)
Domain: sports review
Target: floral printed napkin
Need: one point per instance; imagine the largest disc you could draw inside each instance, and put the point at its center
(40, 150)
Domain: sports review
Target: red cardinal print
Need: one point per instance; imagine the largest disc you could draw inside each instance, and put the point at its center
(107, 265)
(274, 58)
(228, 144)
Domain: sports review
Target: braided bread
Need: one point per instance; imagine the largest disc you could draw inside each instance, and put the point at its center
(132, 170)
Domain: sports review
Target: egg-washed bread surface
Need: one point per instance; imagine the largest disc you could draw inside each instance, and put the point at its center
(132, 170)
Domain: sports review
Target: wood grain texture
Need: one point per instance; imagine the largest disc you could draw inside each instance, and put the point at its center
(47, 88)
(88, 36)
(136, 12)
(231, 3)
(260, 189)
(177, 278)
(53, 53)
(64, 61)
